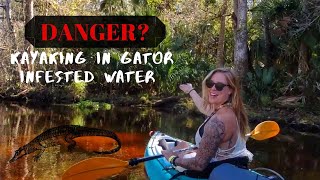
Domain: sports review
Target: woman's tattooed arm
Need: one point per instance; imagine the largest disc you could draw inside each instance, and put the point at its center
(214, 132)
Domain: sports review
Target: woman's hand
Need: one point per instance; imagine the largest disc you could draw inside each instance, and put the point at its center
(167, 153)
(186, 88)
(181, 145)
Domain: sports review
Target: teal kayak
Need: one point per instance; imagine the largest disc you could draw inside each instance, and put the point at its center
(161, 169)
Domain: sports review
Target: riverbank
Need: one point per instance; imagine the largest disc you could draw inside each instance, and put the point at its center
(296, 118)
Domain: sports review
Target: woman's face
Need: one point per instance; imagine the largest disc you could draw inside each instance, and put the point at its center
(220, 91)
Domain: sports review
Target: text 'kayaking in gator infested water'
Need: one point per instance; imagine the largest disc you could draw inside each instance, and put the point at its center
(101, 58)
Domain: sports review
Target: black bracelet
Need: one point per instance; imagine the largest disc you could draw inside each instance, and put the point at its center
(174, 161)
(190, 91)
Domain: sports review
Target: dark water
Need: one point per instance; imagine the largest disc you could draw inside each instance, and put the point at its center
(293, 155)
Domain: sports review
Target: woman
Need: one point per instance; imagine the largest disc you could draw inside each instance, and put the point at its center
(221, 138)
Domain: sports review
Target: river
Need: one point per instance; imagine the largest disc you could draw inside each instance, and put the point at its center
(292, 154)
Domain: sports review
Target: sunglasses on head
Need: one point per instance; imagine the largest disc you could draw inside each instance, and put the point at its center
(219, 86)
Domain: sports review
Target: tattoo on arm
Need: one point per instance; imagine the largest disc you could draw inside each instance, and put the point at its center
(230, 143)
(214, 132)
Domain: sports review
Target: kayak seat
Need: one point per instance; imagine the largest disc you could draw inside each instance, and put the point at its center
(167, 143)
(228, 171)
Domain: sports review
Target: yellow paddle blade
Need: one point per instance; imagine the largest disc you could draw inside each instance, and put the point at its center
(94, 168)
(265, 130)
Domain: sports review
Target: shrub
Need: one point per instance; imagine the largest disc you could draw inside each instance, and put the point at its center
(78, 90)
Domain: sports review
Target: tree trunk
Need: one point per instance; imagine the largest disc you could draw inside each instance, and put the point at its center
(10, 24)
(241, 38)
(303, 66)
(304, 56)
(12, 34)
(220, 53)
(250, 61)
(235, 16)
(267, 42)
(28, 16)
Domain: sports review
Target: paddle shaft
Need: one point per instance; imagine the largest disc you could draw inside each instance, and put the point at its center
(135, 161)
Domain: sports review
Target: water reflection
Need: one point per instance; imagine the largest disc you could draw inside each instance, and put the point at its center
(19, 125)
(294, 156)
(298, 159)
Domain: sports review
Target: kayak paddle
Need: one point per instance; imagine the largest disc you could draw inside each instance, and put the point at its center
(264, 130)
(99, 167)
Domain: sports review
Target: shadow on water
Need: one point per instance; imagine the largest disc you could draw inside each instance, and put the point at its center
(294, 156)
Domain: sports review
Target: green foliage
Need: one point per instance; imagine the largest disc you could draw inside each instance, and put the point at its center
(78, 90)
(307, 85)
(88, 105)
(185, 69)
(192, 37)
(292, 22)
(208, 2)
(145, 98)
(276, 8)
(260, 85)
(154, 3)
(79, 119)
(94, 106)
(106, 106)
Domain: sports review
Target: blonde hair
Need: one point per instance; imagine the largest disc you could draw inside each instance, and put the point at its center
(235, 98)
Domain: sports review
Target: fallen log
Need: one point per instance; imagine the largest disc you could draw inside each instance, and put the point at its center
(165, 101)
